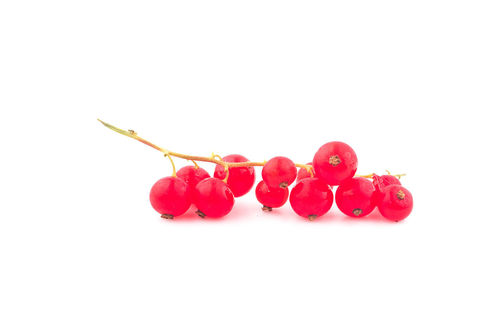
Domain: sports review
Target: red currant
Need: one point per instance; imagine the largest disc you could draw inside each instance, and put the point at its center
(335, 162)
(396, 203)
(192, 175)
(279, 172)
(355, 197)
(169, 197)
(303, 173)
(241, 179)
(380, 182)
(311, 198)
(270, 198)
(385, 180)
(213, 198)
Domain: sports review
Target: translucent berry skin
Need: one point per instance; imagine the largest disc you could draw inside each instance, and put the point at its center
(241, 179)
(279, 172)
(169, 196)
(303, 173)
(396, 203)
(213, 198)
(272, 198)
(311, 198)
(335, 162)
(192, 175)
(355, 197)
(380, 182)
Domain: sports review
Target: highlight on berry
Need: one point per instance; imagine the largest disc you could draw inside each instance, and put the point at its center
(308, 187)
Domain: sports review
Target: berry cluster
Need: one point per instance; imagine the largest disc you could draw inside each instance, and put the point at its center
(334, 164)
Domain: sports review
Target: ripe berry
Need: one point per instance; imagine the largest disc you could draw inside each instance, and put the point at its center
(355, 197)
(311, 198)
(335, 162)
(396, 203)
(169, 197)
(270, 198)
(380, 182)
(241, 179)
(192, 175)
(213, 198)
(279, 172)
(303, 173)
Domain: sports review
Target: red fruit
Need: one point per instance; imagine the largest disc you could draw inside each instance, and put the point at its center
(279, 172)
(355, 197)
(241, 179)
(303, 173)
(192, 175)
(396, 203)
(213, 198)
(270, 198)
(311, 198)
(335, 162)
(385, 180)
(169, 197)
(380, 182)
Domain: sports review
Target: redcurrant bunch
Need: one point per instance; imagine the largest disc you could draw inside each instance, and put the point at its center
(334, 164)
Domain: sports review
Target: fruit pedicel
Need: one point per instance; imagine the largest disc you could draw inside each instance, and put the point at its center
(334, 164)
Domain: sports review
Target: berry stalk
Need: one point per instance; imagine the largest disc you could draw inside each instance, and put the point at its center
(372, 174)
(213, 159)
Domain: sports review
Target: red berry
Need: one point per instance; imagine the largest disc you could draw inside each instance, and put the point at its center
(396, 203)
(380, 182)
(270, 198)
(192, 175)
(355, 197)
(335, 162)
(241, 179)
(303, 173)
(385, 180)
(213, 198)
(169, 197)
(311, 198)
(279, 172)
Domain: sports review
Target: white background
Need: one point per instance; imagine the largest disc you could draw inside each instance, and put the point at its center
(411, 86)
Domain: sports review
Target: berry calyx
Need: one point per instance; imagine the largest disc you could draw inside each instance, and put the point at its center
(311, 198)
(270, 198)
(355, 197)
(213, 198)
(192, 175)
(396, 203)
(169, 197)
(279, 172)
(304, 173)
(335, 162)
(241, 179)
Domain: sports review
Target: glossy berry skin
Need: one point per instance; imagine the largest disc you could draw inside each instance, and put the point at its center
(169, 197)
(335, 162)
(192, 175)
(241, 179)
(303, 173)
(271, 198)
(311, 198)
(355, 197)
(213, 198)
(279, 172)
(396, 203)
(380, 182)
(385, 180)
